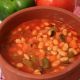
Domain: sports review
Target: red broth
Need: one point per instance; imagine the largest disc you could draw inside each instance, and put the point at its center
(42, 46)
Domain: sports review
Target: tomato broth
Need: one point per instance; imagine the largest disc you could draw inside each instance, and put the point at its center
(42, 46)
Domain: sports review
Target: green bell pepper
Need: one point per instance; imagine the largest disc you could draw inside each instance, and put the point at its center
(8, 7)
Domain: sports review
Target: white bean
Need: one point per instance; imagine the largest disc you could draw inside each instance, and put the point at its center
(63, 59)
(62, 53)
(18, 41)
(19, 65)
(54, 52)
(65, 47)
(46, 23)
(56, 63)
(64, 32)
(40, 45)
(49, 48)
(55, 48)
(55, 41)
(37, 72)
(26, 56)
(23, 39)
(34, 32)
(20, 52)
(73, 50)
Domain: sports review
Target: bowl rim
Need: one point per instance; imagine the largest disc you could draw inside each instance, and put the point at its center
(28, 75)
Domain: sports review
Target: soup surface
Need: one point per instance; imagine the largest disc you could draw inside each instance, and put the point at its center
(42, 46)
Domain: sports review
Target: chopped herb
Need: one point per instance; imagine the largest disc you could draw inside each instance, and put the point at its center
(45, 63)
(52, 33)
(27, 63)
(52, 30)
(33, 59)
(62, 37)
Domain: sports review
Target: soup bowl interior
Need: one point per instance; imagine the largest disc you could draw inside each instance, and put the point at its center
(14, 20)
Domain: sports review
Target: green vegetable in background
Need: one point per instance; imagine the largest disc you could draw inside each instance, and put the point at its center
(8, 7)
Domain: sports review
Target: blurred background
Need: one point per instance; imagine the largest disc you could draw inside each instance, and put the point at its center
(8, 7)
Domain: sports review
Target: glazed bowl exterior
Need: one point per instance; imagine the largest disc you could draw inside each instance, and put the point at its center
(11, 73)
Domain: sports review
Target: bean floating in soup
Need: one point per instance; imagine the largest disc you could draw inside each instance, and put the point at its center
(42, 46)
